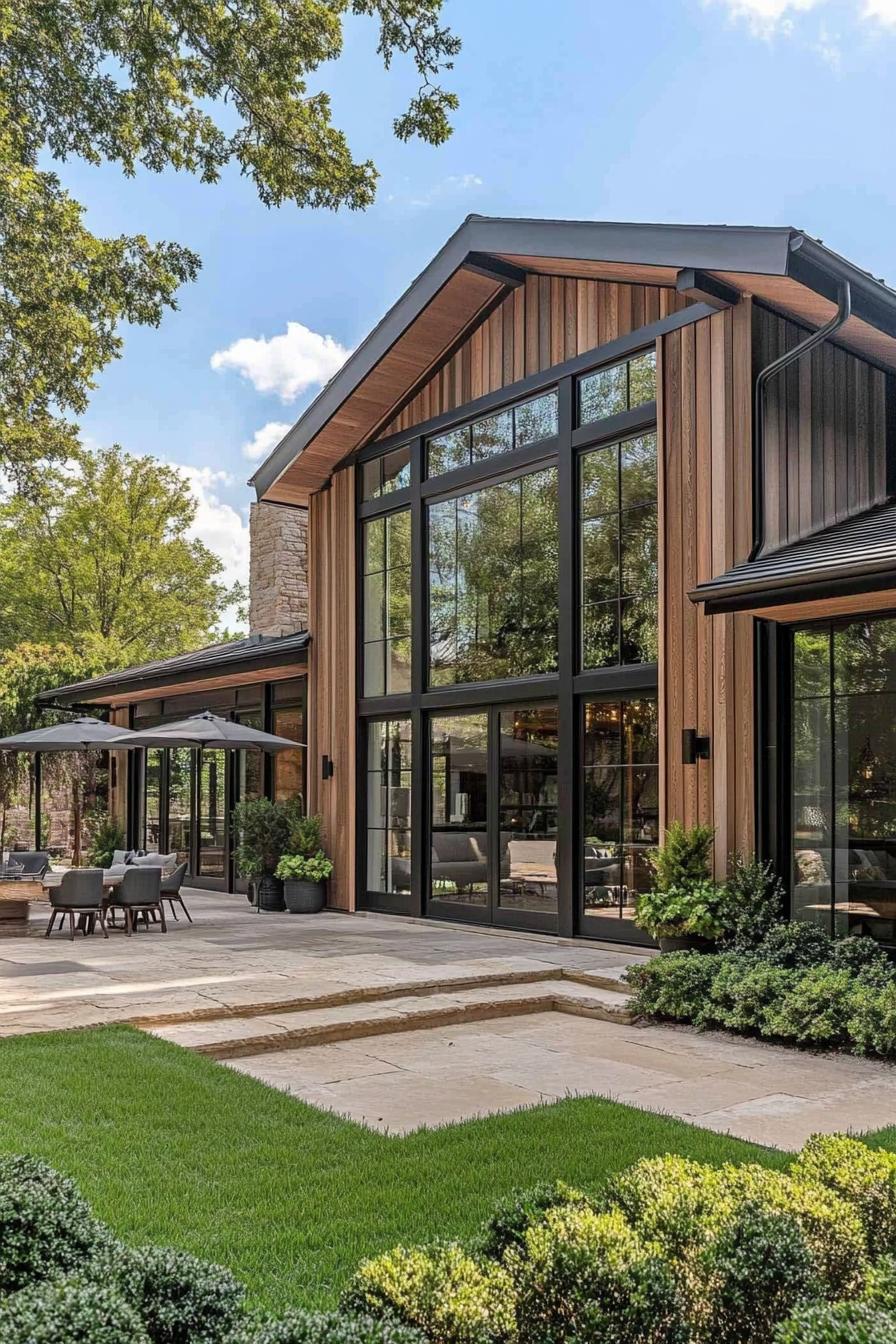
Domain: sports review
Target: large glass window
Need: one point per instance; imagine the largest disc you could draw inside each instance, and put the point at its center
(385, 474)
(620, 761)
(389, 805)
(621, 387)
(152, 800)
(844, 777)
(387, 604)
(180, 771)
(289, 766)
(514, 427)
(212, 810)
(250, 764)
(619, 571)
(459, 809)
(493, 581)
(527, 754)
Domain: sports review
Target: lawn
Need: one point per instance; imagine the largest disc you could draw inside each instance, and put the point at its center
(171, 1147)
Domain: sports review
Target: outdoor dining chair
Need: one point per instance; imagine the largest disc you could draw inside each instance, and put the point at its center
(34, 862)
(171, 886)
(140, 893)
(79, 894)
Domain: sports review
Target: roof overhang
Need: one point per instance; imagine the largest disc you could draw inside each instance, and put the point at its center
(854, 558)
(486, 257)
(240, 663)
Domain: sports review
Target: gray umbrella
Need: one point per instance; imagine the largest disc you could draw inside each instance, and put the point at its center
(210, 732)
(81, 734)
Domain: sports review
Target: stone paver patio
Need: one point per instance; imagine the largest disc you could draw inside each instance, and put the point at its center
(255, 989)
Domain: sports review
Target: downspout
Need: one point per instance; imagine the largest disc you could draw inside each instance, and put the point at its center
(844, 308)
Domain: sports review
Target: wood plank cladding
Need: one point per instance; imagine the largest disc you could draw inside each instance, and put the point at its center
(457, 305)
(541, 323)
(332, 715)
(706, 662)
(826, 434)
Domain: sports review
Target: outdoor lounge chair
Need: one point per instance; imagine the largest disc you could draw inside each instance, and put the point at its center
(35, 862)
(171, 886)
(80, 893)
(140, 893)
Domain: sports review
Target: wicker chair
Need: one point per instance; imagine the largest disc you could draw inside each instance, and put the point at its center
(79, 893)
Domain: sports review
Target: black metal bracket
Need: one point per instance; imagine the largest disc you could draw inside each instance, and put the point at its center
(326, 767)
(705, 288)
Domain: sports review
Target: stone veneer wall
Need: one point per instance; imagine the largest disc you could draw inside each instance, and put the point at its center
(278, 569)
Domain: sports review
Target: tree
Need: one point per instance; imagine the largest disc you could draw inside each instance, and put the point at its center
(193, 85)
(101, 558)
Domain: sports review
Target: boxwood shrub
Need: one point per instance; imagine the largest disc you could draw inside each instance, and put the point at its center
(839, 1323)
(45, 1225)
(326, 1327)
(797, 985)
(69, 1309)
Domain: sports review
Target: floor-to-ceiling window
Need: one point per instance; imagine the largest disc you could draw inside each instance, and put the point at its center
(843, 776)
(508, 587)
(180, 802)
(151, 836)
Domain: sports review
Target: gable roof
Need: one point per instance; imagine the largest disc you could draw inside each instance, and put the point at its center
(486, 257)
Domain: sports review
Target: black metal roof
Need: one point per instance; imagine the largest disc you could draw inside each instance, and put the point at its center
(232, 657)
(775, 251)
(857, 555)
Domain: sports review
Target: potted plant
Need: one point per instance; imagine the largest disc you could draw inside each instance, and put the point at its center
(262, 828)
(305, 867)
(685, 908)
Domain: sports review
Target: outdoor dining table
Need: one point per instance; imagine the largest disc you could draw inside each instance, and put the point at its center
(16, 894)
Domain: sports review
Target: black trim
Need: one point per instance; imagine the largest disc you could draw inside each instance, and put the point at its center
(568, 608)
(705, 288)
(493, 268)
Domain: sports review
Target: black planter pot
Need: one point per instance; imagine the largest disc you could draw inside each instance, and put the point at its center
(270, 893)
(686, 942)
(304, 898)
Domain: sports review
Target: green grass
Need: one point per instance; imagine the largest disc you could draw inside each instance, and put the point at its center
(173, 1148)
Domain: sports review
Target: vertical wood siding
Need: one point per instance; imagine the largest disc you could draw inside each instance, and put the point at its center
(826, 433)
(332, 712)
(543, 322)
(706, 662)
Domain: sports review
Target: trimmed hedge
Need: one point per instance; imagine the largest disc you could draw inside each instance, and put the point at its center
(45, 1225)
(70, 1309)
(797, 985)
(671, 1252)
(327, 1327)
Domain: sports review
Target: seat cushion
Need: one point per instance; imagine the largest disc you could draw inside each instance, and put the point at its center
(167, 862)
(122, 855)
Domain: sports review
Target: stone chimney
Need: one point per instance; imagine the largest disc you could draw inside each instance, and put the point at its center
(278, 569)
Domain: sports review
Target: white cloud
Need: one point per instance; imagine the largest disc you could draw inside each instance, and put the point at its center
(217, 523)
(880, 11)
(765, 18)
(288, 364)
(456, 184)
(265, 440)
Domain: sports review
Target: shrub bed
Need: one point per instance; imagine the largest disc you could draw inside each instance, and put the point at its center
(797, 985)
(671, 1252)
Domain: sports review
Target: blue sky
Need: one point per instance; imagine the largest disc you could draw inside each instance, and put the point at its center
(728, 111)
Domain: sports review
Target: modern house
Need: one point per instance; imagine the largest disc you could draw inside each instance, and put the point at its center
(601, 533)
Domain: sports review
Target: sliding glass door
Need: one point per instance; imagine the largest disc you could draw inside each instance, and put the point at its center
(493, 816)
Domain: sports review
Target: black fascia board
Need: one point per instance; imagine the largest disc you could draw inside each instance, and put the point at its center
(846, 583)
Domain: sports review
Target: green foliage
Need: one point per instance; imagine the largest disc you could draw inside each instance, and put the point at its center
(263, 829)
(814, 1009)
(441, 1290)
(673, 986)
(865, 1177)
(192, 87)
(70, 1310)
(588, 1276)
(880, 1283)
(684, 857)
(697, 909)
(45, 1225)
(105, 834)
(330, 1327)
(304, 867)
(306, 834)
(102, 556)
(861, 956)
(872, 1018)
(838, 1323)
(742, 993)
(754, 901)
(513, 1217)
(179, 1298)
(795, 944)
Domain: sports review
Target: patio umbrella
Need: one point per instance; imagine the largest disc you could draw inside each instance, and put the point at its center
(81, 734)
(208, 731)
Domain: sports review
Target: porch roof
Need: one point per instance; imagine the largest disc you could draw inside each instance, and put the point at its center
(487, 257)
(855, 556)
(249, 658)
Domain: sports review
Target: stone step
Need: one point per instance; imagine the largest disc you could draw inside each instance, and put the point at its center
(231, 1036)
